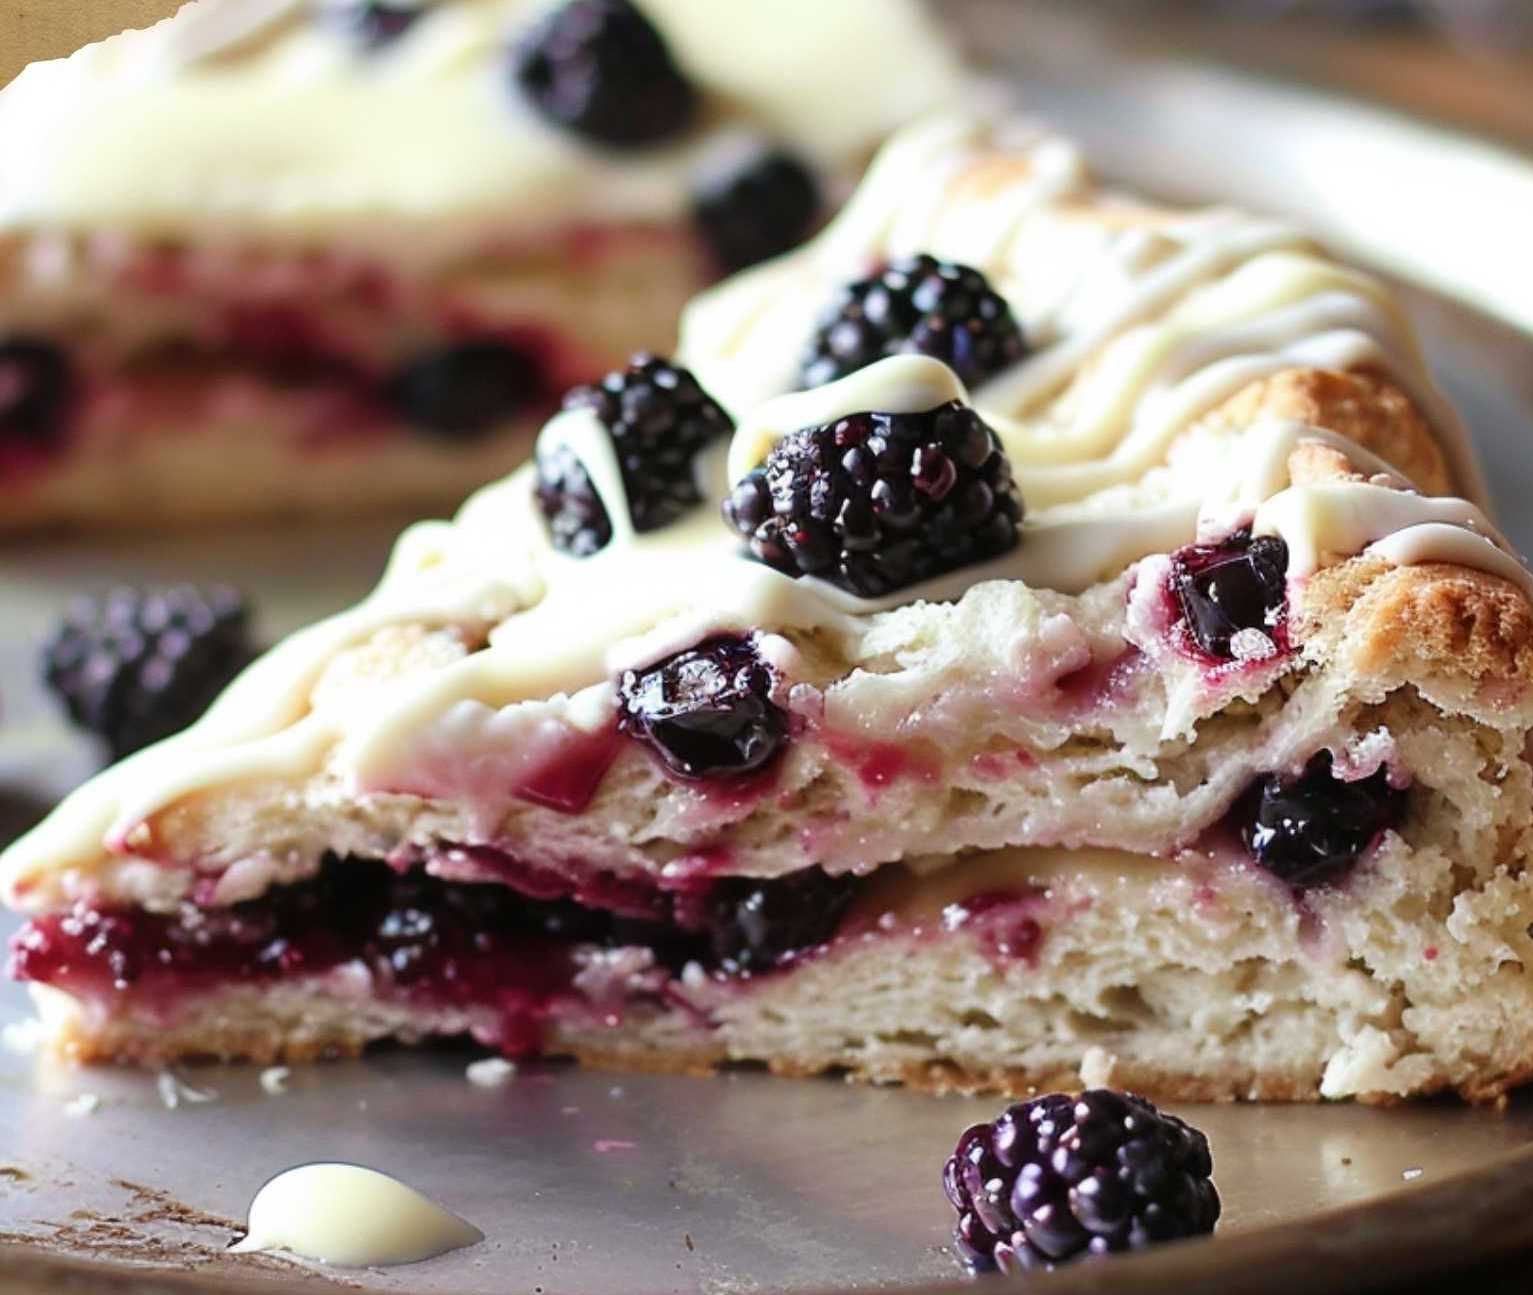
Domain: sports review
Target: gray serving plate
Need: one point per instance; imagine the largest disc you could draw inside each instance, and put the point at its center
(597, 1183)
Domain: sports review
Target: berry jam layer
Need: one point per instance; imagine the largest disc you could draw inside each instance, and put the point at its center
(311, 399)
(175, 352)
(435, 944)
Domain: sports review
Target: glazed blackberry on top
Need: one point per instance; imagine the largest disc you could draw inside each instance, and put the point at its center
(659, 420)
(980, 805)
(876, 502)
(916, 305)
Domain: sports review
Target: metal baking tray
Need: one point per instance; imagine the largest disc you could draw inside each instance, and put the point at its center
(605, 1183)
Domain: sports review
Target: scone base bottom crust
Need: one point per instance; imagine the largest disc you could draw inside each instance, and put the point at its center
(331, 1031)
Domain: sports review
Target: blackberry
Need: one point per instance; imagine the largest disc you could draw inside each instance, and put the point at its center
(876, 502)
(1311, 829)
(1061, 1178)
(599, 68)
(757, 923)
(919, 305)
(35, 385)
(659, 418)
(1225, 588)
(137, 665)
(707, 712)
(373, 24)
(462, 391)
(577, 520)
(754, 205)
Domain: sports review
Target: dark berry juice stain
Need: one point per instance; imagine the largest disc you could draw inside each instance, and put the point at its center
(1004, 922)
(1101, 683)
(569, 783)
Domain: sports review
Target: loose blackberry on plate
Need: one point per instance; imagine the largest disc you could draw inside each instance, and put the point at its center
(659, 420)
(599, 68)
(916, 305)
(136, 665)
(876, 502)
(1062, 1178)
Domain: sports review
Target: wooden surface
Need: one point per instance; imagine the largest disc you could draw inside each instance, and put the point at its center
(34, 29)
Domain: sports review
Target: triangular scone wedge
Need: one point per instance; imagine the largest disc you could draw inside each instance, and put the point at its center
(331, 256)
(1208, 776)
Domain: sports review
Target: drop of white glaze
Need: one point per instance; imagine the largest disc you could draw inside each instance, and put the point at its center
(351, 1216)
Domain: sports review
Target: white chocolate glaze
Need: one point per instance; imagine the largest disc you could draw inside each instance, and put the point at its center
(1407, 529)
(1181, 312)
(258, 114)
(1140, 320)
(351, 1216)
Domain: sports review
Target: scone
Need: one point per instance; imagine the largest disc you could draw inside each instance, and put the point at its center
(1091, 666)
(320, 256)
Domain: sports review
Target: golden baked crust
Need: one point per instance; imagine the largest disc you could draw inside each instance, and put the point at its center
(270, 1043)
(1363, 405)
(1462, 638)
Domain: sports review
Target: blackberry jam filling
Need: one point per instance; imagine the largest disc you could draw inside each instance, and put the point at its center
(1312, 829)
(426, 940)
(1225, 589)
(35, 385)
(758, 924)
(461, 392)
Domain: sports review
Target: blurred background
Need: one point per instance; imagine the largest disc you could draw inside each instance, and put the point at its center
(1471, 60)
